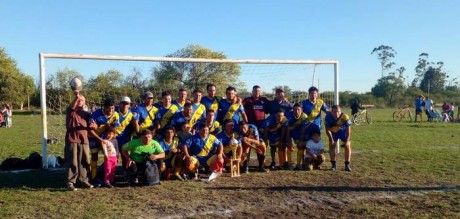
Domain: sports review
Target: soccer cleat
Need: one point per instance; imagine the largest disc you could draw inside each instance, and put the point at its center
(263, 170)
(272, 166)
(334, 167)
(71, 187)
(347, 168)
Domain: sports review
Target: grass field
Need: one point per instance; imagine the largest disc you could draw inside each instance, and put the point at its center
(400, 170)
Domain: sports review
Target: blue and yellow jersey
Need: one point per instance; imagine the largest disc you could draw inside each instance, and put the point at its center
(165, 115)
(227, 140)
(202, 148)
(253, 132)
(313, 110)
(102, 121)
(211, 104)
(215, 127)
(146, 116)
(179, 119)
(180, 106)
(296, 124)
(230, 111)
(168, 147)
(199, 111)
(339, 124)
(125, 130)
(274, 127)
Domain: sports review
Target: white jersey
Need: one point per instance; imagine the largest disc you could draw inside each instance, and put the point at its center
(313, 147)
(428, 104)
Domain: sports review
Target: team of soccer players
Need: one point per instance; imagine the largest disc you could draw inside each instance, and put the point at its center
(201, 135)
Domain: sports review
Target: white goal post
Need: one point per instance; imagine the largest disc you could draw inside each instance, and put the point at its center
(44, 56)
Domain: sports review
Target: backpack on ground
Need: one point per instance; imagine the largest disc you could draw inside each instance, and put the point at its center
(152, 173)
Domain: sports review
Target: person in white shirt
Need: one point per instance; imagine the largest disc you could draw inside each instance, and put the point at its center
(429, 108)
(314, 152)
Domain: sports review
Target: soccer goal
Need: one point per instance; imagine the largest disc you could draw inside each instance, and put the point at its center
(110, 76)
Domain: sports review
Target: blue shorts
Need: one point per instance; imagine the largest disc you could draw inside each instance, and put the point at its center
(341, 134)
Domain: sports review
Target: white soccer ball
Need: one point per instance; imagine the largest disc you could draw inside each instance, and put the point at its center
(76, 83)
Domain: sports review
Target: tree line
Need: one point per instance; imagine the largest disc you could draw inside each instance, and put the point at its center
(391, 89)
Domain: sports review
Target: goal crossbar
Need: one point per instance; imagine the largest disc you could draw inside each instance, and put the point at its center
(43, 56)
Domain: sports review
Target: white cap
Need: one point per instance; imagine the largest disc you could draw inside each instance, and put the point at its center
(125, 99)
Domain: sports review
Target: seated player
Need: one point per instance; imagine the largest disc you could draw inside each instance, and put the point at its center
(206, 149)
(275, 128)
(170, 145)
(314, 152)
(250, 139)
(297, 121)
(231, 141)
(338, 126)
(138, 152)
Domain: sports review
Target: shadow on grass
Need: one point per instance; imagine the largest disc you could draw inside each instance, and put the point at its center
(342, 188)
(34, 179)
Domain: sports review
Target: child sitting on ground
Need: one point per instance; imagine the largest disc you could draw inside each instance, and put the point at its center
(110, 150)
(314, 152)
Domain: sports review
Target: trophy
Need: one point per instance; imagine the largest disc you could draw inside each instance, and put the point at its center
(234, 163)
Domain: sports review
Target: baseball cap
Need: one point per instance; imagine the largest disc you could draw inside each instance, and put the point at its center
(279, 90)
(125, 99)
(148, 94)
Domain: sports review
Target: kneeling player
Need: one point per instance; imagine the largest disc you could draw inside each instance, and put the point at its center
(250, 139)
(206, 148)
(231, 141)
(338, 126)
(275, 128)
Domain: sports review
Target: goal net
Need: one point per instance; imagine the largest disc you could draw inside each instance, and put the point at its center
(108, 76)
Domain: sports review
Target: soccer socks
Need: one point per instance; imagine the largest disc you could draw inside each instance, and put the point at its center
(289, 156)
(282, 157)
(261, 159)
(93, 166)
(299, 157)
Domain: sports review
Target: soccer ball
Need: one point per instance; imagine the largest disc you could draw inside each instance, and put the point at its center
(193, 166)
(76, 83)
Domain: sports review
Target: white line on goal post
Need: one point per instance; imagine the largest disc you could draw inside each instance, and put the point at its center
(43, 56)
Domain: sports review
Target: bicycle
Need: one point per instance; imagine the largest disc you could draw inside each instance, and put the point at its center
(362, 116)
(402, 113)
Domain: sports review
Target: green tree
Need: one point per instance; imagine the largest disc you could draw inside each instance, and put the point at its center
(174, 75)
(420, 69)
(15, 86)
(434, 79)
(390, 87)
(385, 54)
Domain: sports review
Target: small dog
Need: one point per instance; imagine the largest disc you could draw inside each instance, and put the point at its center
(52, 140)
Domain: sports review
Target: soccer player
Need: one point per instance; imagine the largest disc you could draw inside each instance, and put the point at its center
(147, 113)
(186, 116)
(338, 126)
(171, 146)
(250, 138)
(256, 106)
(166, 111)
(313, 106)
(214, 125)
(211, 101)
(103, 118)
(206, 148)
(230, 139)
(127, 120)
(275, 128)
(199, 110)
(182, 99)
(280, 102)
(231, 108)
(297, 121)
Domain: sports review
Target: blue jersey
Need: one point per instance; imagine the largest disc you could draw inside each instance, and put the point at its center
(101, 120)
(252, 133)
(180, 107)
(211, 104)
(275, 105)
(275, 127)
(165, 115)
(215, 127)
(203, 149)
(167, 149)
(199, 111)
(419, 103)
(227, 141)
(337, 125)
(146, 116)
(313, 110)
(179, 120)
(296, 124)
(230, 111)
(125, 130)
